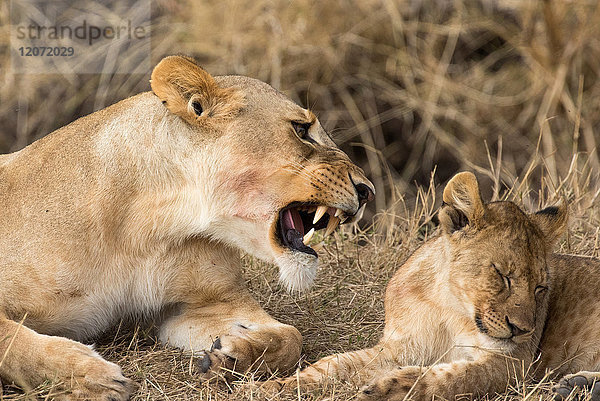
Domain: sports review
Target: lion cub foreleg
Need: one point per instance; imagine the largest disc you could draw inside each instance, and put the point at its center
(447, 380)
(354, 366)
(29, 359)
(236, 335)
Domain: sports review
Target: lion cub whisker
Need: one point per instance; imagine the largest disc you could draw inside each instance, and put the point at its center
(479, 306)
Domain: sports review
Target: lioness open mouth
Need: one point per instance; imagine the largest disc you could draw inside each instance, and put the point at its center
(298, 222)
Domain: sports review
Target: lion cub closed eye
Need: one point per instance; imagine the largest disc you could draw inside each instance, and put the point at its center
(477, 302)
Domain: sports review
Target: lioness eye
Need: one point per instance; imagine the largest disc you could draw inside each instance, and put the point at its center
(301, 129)
(197, 108)
(540, 289)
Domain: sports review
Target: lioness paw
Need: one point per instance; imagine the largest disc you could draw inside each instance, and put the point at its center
(99, 380)
(215, 362)
(587, 382)
(227, 355)
(257, 350)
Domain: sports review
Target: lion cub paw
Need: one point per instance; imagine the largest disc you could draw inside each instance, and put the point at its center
(578, 382)
(267, 389)
(394, 386)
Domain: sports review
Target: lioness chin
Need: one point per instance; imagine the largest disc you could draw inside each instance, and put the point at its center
(477, 307)
(143, 208)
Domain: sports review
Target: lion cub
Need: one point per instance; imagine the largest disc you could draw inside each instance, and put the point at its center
(472, 308)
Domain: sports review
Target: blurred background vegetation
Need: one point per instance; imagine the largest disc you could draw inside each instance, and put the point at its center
(509, 89)
(506, 88)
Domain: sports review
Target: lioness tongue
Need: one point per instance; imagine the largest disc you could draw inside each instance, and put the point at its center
(293, 221)
(293, 231)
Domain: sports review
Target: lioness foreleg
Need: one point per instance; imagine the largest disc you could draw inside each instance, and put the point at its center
(29, 359)
(236, 335)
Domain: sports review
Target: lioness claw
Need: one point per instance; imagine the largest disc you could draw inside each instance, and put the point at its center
(146, 205)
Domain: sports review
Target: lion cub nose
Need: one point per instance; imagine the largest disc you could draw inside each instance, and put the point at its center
(365, 194)
(516, 330)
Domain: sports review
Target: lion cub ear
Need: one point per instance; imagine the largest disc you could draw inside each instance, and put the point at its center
(552, 221)
(462, 205)
(192, 93)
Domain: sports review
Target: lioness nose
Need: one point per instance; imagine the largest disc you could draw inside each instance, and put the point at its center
(516, 330)
(365, 194)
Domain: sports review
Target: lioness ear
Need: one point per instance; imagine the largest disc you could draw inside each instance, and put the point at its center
(462, 203)
(552, 221)
(192, 93)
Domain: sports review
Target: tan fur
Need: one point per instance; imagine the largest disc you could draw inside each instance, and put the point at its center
(142, 209)
(449, 310)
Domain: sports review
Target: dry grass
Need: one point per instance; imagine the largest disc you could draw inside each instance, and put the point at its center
(404, 85)
(344, 310)
(509, 89)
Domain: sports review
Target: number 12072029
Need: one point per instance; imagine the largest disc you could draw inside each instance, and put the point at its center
(46, 51)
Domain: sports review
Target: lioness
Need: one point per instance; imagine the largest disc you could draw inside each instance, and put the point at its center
(143, 207)
(472, 308)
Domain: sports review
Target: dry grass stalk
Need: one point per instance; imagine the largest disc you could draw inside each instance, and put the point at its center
(508, 89)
